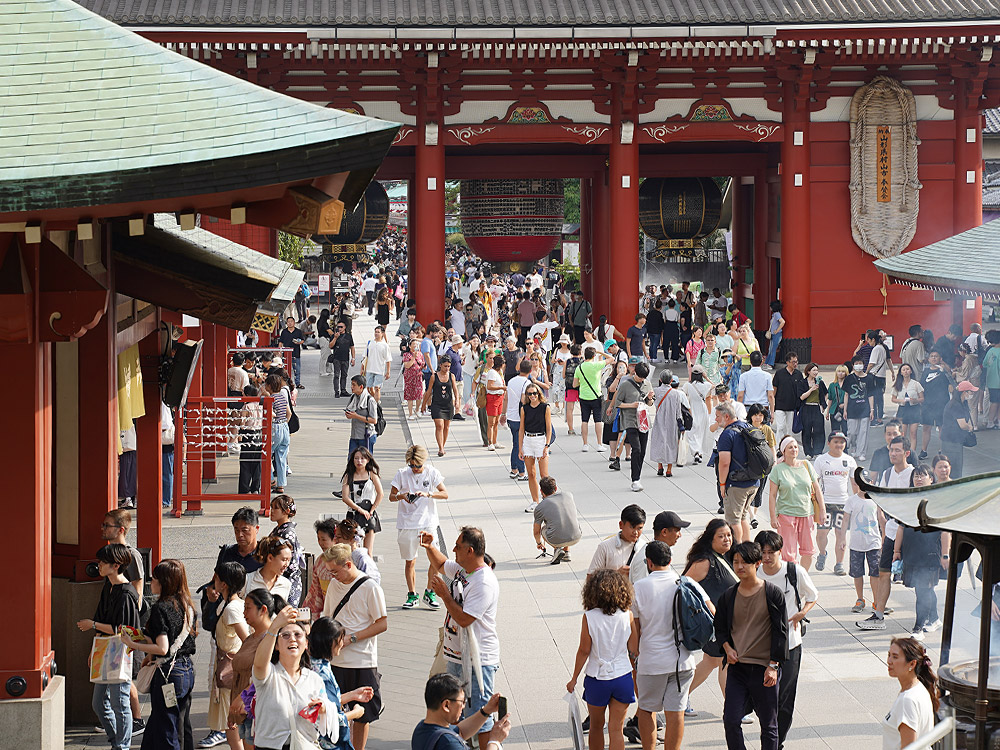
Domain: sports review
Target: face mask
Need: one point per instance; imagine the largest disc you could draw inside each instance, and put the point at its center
(858, 368)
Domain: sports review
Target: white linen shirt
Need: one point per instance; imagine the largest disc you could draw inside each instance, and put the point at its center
(653, 607)
(272, 725)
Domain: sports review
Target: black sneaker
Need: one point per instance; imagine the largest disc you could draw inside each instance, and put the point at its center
(615, 464)
(456, 417)
(138, 726)
(922, 456)
(631, 733)
(721, 510)
(586, 724)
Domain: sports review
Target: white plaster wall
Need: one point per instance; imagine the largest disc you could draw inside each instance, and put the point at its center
(838, 109)
(387, 111)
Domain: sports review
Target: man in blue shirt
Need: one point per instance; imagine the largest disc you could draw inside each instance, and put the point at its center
(736, 495)
(637, 338)
(444, 698)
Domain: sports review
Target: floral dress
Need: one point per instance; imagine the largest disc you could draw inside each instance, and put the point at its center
(298, 563)
(413, 382)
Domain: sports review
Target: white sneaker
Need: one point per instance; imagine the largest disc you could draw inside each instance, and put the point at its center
(601, 448)
(499, 447)
(585, 448)
(531, 507)
(636, 487)
(491, 447)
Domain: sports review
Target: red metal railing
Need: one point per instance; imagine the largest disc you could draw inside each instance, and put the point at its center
(208, 427)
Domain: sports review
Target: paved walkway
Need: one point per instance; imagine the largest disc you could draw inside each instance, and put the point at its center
(843, 688)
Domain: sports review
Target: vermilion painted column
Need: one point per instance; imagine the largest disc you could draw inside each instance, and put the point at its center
(427, 266)
(623, 236)
(600, 211)
(411, 234)
(795, 212)
(191, 470)
(967, 196)
(148, 451)
(209, 384)
(26, 627)
(761, 274)
(586, 237)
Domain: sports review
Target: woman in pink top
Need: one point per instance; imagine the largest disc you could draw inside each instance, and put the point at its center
(694, 347)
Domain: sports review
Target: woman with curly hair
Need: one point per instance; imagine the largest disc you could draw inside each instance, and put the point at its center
(913, 710)
(607, 625)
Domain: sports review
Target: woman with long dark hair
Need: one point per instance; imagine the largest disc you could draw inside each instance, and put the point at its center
(908, 395)
(275, 555)
(282, 513)
(534, 437)
(442, 396)
(169, 643)
(274, 386)
(230, 632)
(384, 304)
(913, 710)
(361, 491)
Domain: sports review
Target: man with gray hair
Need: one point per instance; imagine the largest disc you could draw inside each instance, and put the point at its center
(731, 457)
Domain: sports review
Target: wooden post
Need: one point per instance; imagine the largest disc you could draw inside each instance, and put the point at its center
(148, 450)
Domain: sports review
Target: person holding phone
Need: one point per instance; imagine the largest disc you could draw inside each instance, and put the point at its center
(441, 728)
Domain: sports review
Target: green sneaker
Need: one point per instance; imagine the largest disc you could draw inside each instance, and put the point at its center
(412, 600)
(431, 600)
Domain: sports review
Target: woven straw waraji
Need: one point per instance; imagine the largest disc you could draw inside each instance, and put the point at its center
(884, 229)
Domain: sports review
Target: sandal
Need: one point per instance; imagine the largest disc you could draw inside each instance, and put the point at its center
(440, 453)
(669, 474)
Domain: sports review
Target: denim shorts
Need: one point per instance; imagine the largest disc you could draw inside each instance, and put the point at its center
(374, 379)
(475, 698)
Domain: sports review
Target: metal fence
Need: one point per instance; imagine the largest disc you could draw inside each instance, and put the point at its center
(941, 737)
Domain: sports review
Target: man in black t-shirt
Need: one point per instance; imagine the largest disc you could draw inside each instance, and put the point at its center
(342, 352)
(860, 409)
(637, 338)
(292, 338)
(937, 382)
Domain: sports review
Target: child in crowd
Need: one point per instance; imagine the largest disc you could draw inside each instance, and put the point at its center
(865, 521)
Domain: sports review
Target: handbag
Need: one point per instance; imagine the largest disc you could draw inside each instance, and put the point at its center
(969, 440)
(110, 661)
(223, 669)
(797, 421)
(293, 418)
(297, 741)
(643, 417)
(683, 451)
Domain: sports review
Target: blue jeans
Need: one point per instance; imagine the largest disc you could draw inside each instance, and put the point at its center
(772, 350)
(476, 698)
(170, 728)
(168, 477)
(654, 344)
(279, 452)
(368, 442)
(112, 706)
(297, 370)
(515, 462)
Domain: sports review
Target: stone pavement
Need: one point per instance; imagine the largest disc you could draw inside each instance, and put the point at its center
(843, 688)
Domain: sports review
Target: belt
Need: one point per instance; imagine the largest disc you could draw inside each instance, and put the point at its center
(534, 434)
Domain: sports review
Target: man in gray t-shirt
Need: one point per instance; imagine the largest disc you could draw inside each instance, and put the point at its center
(556, 520)
(362, 410)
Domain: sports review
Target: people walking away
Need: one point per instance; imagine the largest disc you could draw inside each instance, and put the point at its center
(796, 503)
(668, 425)
(442, 728)
(788, 387)
(471, 600)
(775, 327)
(835, 471)
(915, 707)
(356, 602)
(925, 562)
(603, 656)
(416, 488)
(699, 393)
(752, 626)
(655, 326)
(534, 437)
(556, 521)
(800, 597)
(632, 393)
(664, 667)
(860, 409)
(280, 436)
(292, 338)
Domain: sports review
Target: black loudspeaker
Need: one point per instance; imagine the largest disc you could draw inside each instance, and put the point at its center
(185, 360)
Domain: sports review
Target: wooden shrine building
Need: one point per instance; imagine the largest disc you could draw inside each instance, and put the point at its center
(616, 92)
(99, 130)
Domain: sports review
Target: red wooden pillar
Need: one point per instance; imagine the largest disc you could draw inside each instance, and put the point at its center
(148, 451)
(191, 470)
(761, 272)
(795, 212)
(411, 235)
(209, 384)
(427, 250)
(98, 436)
(586, 241)
(967, 197)
(623, 185)
(26, 628)
(601, 253)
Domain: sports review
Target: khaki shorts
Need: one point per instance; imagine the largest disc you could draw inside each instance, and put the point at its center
(663, 692)
(409, 542)
(736, 503)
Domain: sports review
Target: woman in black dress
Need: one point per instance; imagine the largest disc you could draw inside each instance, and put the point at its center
(383, 306)
(442, 395)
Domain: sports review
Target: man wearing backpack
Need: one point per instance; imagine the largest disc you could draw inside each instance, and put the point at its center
(800, 597)
(664, 666)
(737, 485)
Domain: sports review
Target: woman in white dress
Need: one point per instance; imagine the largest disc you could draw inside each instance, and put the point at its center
(698, 390)
(559, 358)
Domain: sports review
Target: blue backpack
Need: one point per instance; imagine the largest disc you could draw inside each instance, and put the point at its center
(694, 626)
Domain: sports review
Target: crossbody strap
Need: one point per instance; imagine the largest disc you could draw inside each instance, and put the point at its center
(347, 596)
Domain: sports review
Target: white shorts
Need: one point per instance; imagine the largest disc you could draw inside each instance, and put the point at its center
(534, 446)
(663, 692)
(409, 542)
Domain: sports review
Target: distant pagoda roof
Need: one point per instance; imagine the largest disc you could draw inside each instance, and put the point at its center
(92, 114)
(531, 13)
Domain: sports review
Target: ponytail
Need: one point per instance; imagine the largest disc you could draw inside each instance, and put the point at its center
(913, 650)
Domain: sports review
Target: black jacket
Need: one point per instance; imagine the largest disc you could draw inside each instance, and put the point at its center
(775, 608)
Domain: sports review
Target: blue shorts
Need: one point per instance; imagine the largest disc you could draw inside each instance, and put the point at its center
(601, 692)
(474, 697)
(374, 379)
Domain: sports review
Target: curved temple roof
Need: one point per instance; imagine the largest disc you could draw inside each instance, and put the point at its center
(494, 13)
(93, 113)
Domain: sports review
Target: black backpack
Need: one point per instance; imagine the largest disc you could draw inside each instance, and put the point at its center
(571, 364)
(686, 419)
(379, 419)
(760, 457)
(792, 576)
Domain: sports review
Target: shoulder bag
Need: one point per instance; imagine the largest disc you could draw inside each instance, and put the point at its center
(144, 679)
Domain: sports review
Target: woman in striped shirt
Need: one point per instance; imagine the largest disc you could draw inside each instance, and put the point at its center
(274, 386)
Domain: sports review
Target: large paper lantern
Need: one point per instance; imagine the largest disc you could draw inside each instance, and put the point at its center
(365, 223)
(677, 212)
(513, 222)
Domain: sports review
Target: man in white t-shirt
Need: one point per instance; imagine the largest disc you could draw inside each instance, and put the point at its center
(471, 600)
(512, 415)
(378, 358)
(835, 472)
(417, 488)
(457, 318)
(535, 281)
(897, 475)
(360, 608)
(368, 288)
(664, 670)
(542, 330)
(623, 551)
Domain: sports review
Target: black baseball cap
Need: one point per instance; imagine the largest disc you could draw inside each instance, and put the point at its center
(667, 519)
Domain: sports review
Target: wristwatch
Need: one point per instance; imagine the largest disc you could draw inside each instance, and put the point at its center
(773, 665)
(353, 638)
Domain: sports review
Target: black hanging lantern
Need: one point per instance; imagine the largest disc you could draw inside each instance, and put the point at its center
(677, 212)
(365, 223)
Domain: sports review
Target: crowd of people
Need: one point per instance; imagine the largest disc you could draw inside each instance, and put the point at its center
(295, 649)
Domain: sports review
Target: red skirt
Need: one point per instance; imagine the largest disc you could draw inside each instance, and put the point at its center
(494, 404)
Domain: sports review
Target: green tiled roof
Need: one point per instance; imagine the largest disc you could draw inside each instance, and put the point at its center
(81, 97)
(966, 262)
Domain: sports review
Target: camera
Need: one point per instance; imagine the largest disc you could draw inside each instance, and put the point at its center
(412, 497)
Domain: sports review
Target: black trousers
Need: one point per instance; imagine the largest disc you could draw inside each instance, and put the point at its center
(250, 457)
(340, 368)
(578, 334)
(746, 682)
(671, 340)
(638, 442)
(813, 429)
(370, 298)
(788, 682)
(879, 394)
